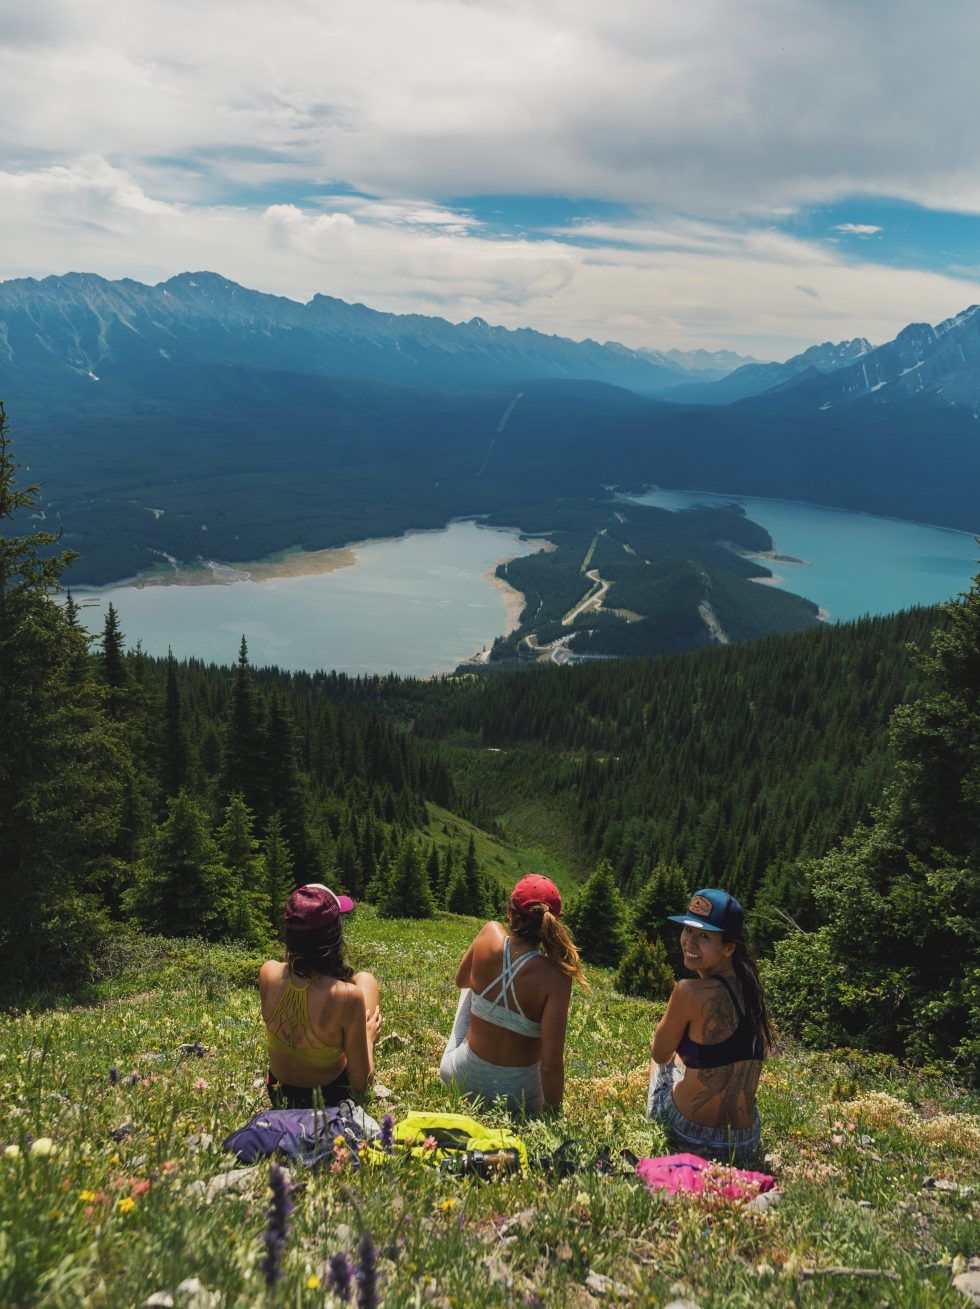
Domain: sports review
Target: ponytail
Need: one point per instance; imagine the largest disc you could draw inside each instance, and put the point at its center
(538, 924)
(753, 996)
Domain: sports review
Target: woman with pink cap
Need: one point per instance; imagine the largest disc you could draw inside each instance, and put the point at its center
(322, 1019)
(508, 1038)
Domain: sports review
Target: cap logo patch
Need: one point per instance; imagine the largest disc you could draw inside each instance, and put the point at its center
(701, 906)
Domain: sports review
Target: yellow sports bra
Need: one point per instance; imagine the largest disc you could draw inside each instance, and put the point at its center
(292, 1014)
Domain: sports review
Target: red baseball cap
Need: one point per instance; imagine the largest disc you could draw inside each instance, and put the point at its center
(535, 890)
(313, 906)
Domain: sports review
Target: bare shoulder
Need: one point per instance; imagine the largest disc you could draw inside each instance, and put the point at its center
(273, 970)
(492, 931)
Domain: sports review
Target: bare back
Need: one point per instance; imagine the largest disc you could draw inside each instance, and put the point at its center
(542, 991)
(723, 1096)
(336, 1013)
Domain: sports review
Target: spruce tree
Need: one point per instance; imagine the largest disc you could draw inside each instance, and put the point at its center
(279, 879)
(182, 886)
(597, 917)
(285, 791)
(61, 759)
(645, 971)
(468, 892)
(406, 892)
(246, 871)
(895, 962)
(244, 747)
(112, 665)
(175, 762)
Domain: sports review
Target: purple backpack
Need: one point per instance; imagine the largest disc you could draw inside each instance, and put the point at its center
(305, 1136)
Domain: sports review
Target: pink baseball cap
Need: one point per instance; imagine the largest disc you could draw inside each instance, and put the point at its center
(313, 906)
(535, 890)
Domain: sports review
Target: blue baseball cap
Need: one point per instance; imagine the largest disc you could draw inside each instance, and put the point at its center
(713, 911)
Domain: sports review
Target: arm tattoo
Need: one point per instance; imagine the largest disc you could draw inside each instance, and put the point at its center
(731, 1083)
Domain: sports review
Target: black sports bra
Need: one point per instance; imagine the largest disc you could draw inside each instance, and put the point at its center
(744, 1043)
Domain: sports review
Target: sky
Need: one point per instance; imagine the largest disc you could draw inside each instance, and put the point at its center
(756, 175)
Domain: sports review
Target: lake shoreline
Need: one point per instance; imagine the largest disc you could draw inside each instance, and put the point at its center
(293, 561)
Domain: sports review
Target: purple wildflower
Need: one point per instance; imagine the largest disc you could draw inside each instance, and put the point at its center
(341, 1274)
(277, 1227)
(113, 1075)
(387, 1132)
(367, 1273)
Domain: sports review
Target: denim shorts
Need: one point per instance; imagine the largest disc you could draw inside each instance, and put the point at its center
(723, 1144)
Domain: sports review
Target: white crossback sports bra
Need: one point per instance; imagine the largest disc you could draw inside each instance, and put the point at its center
(499, 1010)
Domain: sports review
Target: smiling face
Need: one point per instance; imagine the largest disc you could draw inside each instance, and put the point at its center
(705, 952)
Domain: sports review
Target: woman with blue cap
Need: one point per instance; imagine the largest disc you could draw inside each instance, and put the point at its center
(709, 1046)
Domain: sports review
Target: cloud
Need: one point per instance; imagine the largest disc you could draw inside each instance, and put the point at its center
(858, 229)
(649, 281)
(712, 109)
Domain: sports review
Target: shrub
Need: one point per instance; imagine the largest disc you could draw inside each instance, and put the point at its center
(645, 971)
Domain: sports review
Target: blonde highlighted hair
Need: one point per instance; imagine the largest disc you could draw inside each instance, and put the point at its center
(537, 923)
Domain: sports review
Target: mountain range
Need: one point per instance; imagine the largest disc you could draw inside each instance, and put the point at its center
(197, 416)
(84, 327)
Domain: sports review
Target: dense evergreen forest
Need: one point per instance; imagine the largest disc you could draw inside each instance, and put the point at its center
(829, 778)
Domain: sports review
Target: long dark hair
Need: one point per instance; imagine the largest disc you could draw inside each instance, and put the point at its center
(322, 951)
(536, 923)
(753, 996)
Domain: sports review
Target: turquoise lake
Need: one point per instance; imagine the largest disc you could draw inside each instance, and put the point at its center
(414, 605)
(856, 563)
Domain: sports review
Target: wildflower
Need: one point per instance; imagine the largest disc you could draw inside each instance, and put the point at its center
(132, 1079)
(582, 1199)
(43, 1146)
(11, 1151)
(126, 1205)
(367, 1273)
(387, 1132)
(277, 1227)
(340, 1275)
(113, 1158)
(113, 1075)
(313, 1282)
(140, 1186)
(339, 1142)
(201, 1084)
(430, 1143)
(837, 1139)
(88, 1196)
(451, 1203)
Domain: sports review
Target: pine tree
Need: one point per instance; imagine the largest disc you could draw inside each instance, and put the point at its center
(406, 892)
(597, 917)
(182, 886)
(279, 879)
(61, 759)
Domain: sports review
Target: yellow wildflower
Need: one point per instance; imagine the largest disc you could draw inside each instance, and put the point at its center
(451, 1203)
(88, 1196)
(313, 1282)
(126, 1205)
(113, 1158)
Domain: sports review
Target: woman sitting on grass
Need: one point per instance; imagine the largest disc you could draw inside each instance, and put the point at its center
(322, 1019)
(709, 1046)
(508, 1038)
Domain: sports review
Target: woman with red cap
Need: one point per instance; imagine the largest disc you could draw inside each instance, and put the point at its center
(508, 1038)
(322, 1019)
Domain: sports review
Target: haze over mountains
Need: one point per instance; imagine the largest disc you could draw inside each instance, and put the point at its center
(200, 417)
(81, 325)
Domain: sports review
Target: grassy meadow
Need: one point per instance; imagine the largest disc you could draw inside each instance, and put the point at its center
(111, 1204)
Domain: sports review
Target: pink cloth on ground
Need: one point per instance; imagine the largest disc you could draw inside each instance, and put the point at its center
(683, 1172)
